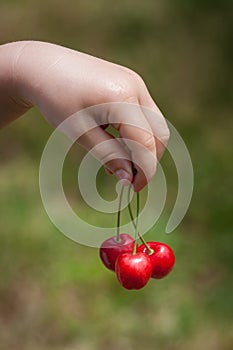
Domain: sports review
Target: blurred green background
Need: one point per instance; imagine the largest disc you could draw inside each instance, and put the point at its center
(54, 293)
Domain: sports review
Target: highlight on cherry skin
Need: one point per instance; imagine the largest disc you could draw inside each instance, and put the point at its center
(161, 256)
(111, 248)
(133, 271)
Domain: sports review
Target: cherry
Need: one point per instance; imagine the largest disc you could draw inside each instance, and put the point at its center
(133, 270)
(112, 248)
(161, 256)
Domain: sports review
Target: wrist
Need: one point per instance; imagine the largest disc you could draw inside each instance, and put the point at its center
(25, 63)
(12, 82)
(20, 65)
(11, 104)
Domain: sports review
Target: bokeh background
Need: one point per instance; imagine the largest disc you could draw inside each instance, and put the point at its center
(54, 293)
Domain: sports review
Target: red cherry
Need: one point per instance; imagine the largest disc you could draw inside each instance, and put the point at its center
(111, 249)
(162, 259)
(133, 270)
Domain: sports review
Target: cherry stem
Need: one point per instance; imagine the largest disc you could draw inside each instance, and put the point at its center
(136, 224)
(119, 215)
(150, 251)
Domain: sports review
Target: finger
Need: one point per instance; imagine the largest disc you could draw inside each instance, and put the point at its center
(157, 122)
(142, 150)
(138, 136)
(110, 152)
(108, 172)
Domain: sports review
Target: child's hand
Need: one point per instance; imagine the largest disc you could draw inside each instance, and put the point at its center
(60, 82)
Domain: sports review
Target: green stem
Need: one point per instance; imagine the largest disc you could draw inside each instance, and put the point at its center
(129, 208)
(136, 224)
(150, 251)
(119, 216)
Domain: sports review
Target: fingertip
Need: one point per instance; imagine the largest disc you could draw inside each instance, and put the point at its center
(122, 169)
(139, 182)
(124, 177)
(141, 178)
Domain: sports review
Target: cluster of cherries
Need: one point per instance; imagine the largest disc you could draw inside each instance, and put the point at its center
(135, 264)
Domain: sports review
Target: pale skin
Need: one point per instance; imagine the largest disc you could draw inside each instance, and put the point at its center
(60, 82)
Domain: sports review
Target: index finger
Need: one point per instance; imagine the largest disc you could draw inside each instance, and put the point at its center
(138, 136)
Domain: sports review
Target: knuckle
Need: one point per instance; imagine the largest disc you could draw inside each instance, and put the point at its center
(128, 85)
(122, 91)
(133, 75)
(149, 142)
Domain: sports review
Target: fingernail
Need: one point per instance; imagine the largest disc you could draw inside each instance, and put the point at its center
(123, 176)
